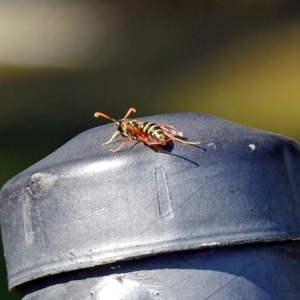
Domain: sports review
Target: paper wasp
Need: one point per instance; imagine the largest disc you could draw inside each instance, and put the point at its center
(147, 132)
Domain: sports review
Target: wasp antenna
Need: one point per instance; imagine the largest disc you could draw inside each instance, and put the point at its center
(131, 110)
(99, 114)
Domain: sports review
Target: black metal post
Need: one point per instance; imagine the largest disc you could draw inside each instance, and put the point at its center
(216, 221)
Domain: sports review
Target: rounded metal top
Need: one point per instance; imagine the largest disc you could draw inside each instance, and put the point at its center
(83, 205)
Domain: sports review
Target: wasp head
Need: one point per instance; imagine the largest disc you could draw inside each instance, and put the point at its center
(120, 125)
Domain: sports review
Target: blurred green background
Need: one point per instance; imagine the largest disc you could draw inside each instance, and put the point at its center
(60, 61)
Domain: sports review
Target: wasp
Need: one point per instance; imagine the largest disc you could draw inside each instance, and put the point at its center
(147, 132)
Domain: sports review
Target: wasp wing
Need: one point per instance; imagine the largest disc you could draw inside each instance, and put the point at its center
(172, 131)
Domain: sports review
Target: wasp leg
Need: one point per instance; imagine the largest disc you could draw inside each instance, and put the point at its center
(123, 143)
(110, 140)
(134, 144)
(185, 142)
(152, 143)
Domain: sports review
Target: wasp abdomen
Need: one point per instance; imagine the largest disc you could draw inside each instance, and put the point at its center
(153, 130)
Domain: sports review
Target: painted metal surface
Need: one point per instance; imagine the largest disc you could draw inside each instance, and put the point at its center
(83, 206)
(268, 271)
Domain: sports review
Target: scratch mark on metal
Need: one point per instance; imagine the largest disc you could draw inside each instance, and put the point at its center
(163, 193)
(28, 230)
(230, 281)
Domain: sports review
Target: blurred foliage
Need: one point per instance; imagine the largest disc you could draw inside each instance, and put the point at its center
(239, 61)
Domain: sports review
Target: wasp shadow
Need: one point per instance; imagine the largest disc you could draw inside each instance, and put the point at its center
(168, 148)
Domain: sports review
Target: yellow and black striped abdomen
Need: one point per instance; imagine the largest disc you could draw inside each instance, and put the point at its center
(153, 130)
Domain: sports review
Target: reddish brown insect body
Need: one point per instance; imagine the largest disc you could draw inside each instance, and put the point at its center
(147, 132)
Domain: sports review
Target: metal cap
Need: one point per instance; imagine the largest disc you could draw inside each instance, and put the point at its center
(84, 206)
